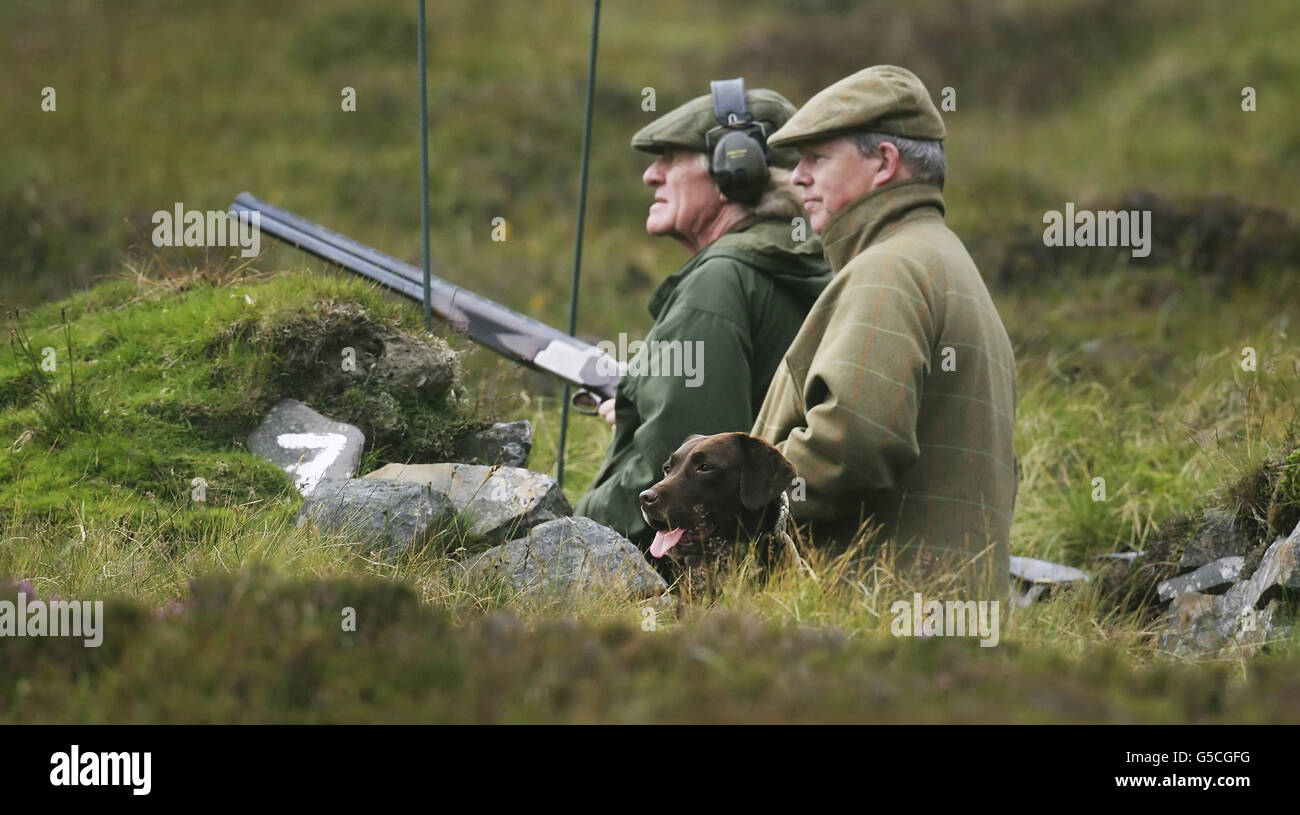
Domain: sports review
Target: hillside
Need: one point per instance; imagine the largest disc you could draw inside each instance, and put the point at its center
(1129, 370)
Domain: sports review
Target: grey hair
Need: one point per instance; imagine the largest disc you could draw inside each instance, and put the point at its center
(923, 157)
(781, 198)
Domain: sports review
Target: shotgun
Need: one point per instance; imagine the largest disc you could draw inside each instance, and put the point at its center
(513, 335)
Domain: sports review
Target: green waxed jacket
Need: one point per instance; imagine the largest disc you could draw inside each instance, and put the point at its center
(897, 401)
(742, 298)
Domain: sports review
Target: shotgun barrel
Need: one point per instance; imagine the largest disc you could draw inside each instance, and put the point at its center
(513, 335)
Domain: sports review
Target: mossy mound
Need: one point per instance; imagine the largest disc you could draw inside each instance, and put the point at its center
(113, 401)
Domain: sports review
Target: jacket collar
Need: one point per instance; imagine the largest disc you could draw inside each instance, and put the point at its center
(861, 221)
(660, 297)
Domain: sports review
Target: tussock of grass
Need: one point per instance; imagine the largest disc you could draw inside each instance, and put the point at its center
(174, 374)
(62, 408)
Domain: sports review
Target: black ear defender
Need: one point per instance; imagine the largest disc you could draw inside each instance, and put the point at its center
(737, 147)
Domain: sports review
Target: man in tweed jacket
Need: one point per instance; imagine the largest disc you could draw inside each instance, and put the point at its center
(896, 401)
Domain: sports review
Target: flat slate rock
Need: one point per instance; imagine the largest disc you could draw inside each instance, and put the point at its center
(1201, 624)
(1216, 575)
(497, 502)
(505, 443)
(1032, 570)
(309, 447)
(1280, 566)
(1193, 626)
(389, 516)
(569, 555)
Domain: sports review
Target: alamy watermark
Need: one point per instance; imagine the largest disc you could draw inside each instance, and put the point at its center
(183, 227)
(951, 618)
(676, 358)
(95, 769)
(1131, 228)
(53, 618)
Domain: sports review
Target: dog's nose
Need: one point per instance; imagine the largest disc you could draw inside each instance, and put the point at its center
(649, 497)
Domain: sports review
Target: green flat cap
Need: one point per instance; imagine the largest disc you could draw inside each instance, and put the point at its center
(683, 128)
(882, 98)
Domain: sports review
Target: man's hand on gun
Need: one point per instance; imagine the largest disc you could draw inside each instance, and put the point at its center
(606, 411)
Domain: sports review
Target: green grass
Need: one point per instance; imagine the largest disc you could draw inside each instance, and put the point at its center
(1167, 439)
(1150, 398)
(168, 377)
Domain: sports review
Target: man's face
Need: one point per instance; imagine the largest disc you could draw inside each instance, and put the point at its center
(686, 200)
(833, 172)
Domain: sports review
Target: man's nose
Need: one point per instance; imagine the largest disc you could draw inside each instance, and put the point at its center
(801, 177)
(653, 176)
(649, 498)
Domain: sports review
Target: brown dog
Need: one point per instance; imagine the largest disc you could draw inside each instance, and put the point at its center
(717, 491)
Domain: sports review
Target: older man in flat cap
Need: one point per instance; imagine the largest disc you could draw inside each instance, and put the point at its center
(738, 300)
(896, 401)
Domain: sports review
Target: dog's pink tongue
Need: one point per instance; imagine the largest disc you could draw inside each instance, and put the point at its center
(664, 541)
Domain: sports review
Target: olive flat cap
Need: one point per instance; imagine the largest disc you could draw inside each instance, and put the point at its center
(683, 128)
(882, 98)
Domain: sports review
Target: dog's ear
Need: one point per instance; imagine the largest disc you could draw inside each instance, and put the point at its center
(764, 473)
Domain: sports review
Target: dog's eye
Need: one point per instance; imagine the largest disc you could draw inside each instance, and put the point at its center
(704, 467)
(666, 468)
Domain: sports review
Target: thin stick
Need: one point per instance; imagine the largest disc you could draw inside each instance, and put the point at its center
(424, 173)
(577, 244)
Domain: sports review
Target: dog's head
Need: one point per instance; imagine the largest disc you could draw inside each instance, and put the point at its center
(714, 487)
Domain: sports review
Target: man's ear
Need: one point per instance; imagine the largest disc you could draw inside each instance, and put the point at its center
(891, 165)
(764, 474)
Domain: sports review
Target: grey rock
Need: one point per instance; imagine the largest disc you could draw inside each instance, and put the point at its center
(1032, 570)
(388, 516)
(428, 369)
(1278, 567)
(1207, 579)
(505, 443)
(312, 449)
(571, 555)
(1039, 576)
(1292, 581)
(1258, 626)
(1217, 537)
(496, 502)
(1194, 628)
(1201, 624)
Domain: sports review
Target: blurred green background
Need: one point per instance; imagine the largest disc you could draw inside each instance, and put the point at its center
(161, 102)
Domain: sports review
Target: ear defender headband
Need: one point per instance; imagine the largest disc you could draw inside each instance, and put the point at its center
(737, 147)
